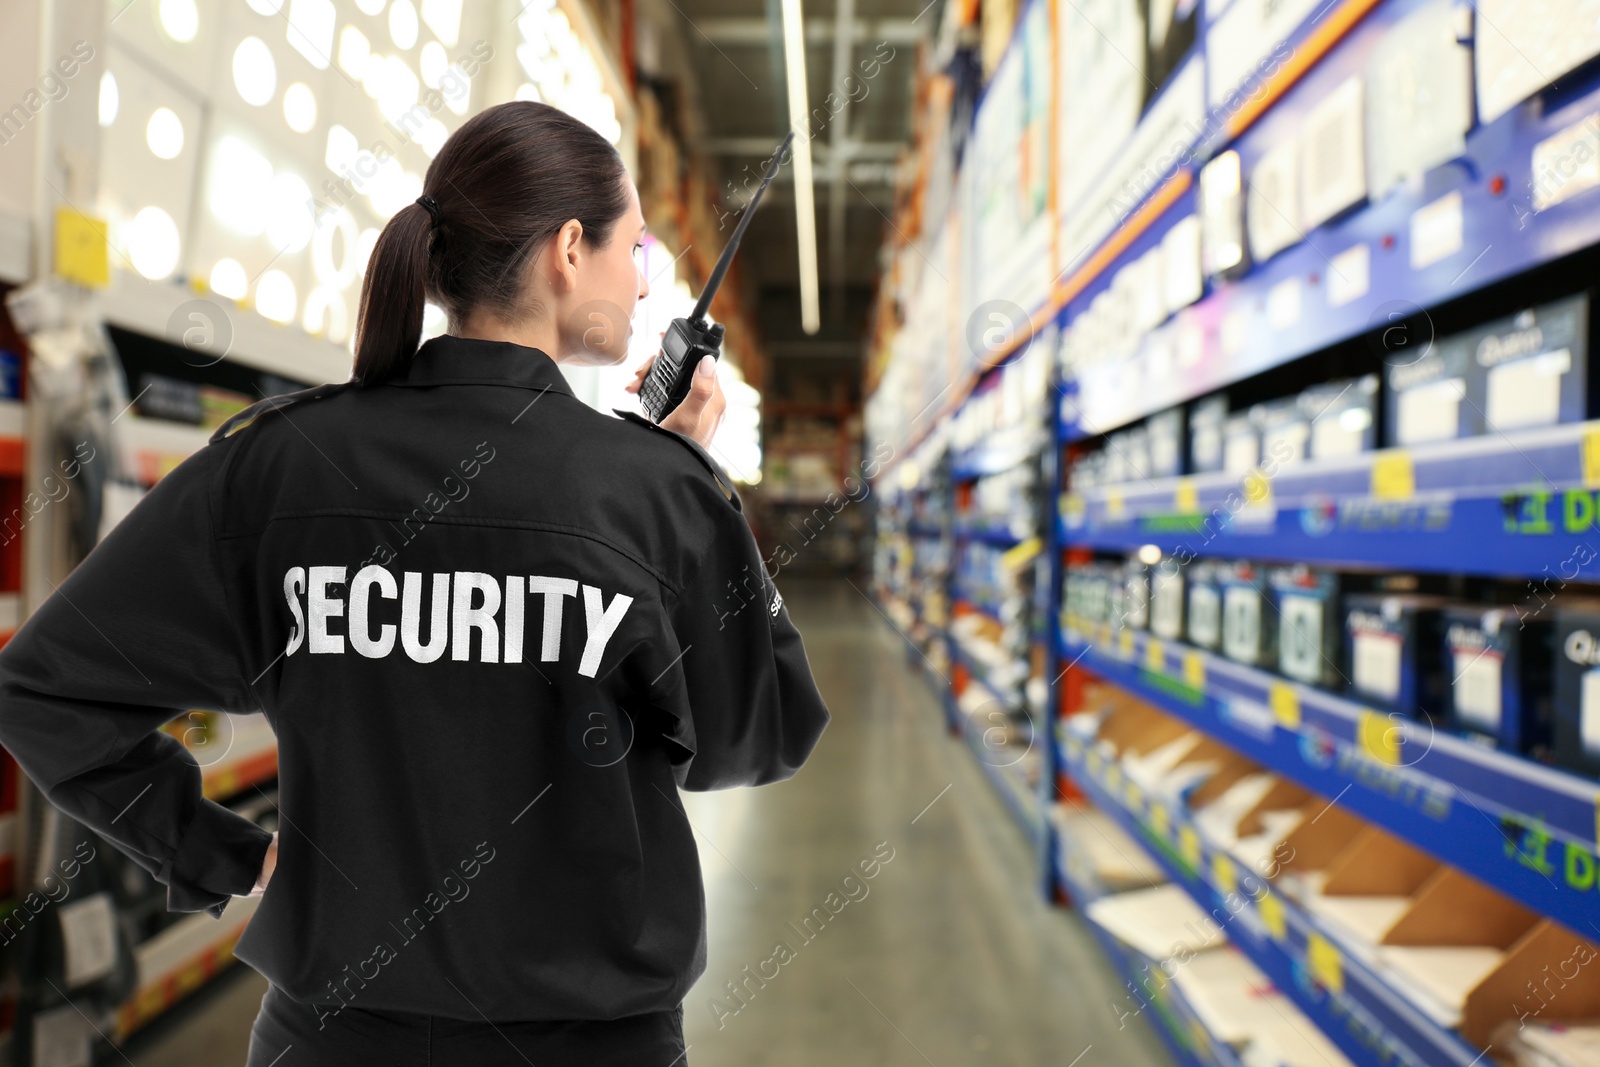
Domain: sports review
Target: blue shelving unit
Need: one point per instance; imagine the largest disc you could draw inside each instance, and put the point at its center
(1512, 504)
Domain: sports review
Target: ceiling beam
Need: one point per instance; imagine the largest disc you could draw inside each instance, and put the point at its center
(747, 30)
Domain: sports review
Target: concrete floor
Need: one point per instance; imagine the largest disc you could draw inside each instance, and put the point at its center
(951, 958)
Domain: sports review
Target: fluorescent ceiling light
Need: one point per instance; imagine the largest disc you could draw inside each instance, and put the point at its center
(794, 59)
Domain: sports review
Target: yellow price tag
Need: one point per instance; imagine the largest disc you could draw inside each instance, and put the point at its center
(1223, 873)
(1134, 796)
(1114, 505)
(1393, 476)
(1072, 508)
(1125, 643)
(1202, 1040)
(1324, 962)
(1194, 670)
(1380, 737)
(1158, 818)
(1257, 488)
(1186, 498)
(1285, 701)
(1113, 777)
(1271, 911)
(1020, 553)
(1591, 458)
(1189, 846)
(83, 252)
(1155, 656)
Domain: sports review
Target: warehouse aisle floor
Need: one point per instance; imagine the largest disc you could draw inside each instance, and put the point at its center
(948, 956)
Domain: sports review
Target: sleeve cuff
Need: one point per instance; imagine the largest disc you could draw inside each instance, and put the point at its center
(219, 856)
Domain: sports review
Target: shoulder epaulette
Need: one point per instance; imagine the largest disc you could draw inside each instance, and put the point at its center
(723, 481)
(239, 420)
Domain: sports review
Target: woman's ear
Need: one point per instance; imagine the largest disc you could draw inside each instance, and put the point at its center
(569, 246)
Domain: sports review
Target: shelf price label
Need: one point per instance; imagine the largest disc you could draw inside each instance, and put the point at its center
(1155, 656)
(1194, 670)
(1270, 908)
(1189, 846)
(1125, 643)
(1186, 498)
(1115, 509)
(1134, 796)
(1591, 458)
(1393, 475)
(1324, 962)
(1257, 488)
(1158, 818)
(1380, 737)
(1285, 701)
(1223, 873)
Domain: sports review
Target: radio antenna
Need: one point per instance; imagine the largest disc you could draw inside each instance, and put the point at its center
(704, 303)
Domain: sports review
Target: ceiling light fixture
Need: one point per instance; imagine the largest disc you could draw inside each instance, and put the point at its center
(794, 59)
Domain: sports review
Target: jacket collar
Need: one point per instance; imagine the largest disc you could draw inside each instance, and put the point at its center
(451, 360)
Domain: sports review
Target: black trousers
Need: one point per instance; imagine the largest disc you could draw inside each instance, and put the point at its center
(288, 1034)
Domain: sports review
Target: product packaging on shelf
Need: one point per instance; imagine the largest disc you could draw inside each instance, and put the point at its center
(1166, 599)
(1577, 707)
(1204, 617)
(1136, 595)
(1531, 366)
(1343, 416)
(1207, 419)
(1424, 394)
(1166, 440)
(1305, 602)
(1241, 442)
(1285, 431)
(1394, 651)
(1249, 633)
(1499, 670)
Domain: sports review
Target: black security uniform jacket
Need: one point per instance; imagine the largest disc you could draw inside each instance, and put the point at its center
(495, 632)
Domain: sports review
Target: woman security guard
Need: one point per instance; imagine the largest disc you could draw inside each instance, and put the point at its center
(494, 630)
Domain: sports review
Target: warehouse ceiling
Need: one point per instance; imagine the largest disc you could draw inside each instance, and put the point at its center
(732, 53)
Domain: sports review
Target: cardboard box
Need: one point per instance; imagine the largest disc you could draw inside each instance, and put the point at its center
(1499, 669)
(1394, 652)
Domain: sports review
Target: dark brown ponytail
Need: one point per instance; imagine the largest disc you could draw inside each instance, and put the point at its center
(505, 183)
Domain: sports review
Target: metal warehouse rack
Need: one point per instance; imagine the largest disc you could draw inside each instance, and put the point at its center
(1498, 506)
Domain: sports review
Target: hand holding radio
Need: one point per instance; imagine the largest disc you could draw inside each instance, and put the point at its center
(700, 412)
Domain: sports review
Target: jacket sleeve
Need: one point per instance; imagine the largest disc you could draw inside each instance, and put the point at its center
(137, 634)
(755, 710)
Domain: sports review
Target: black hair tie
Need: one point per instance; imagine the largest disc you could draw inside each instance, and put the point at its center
(433, 207)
